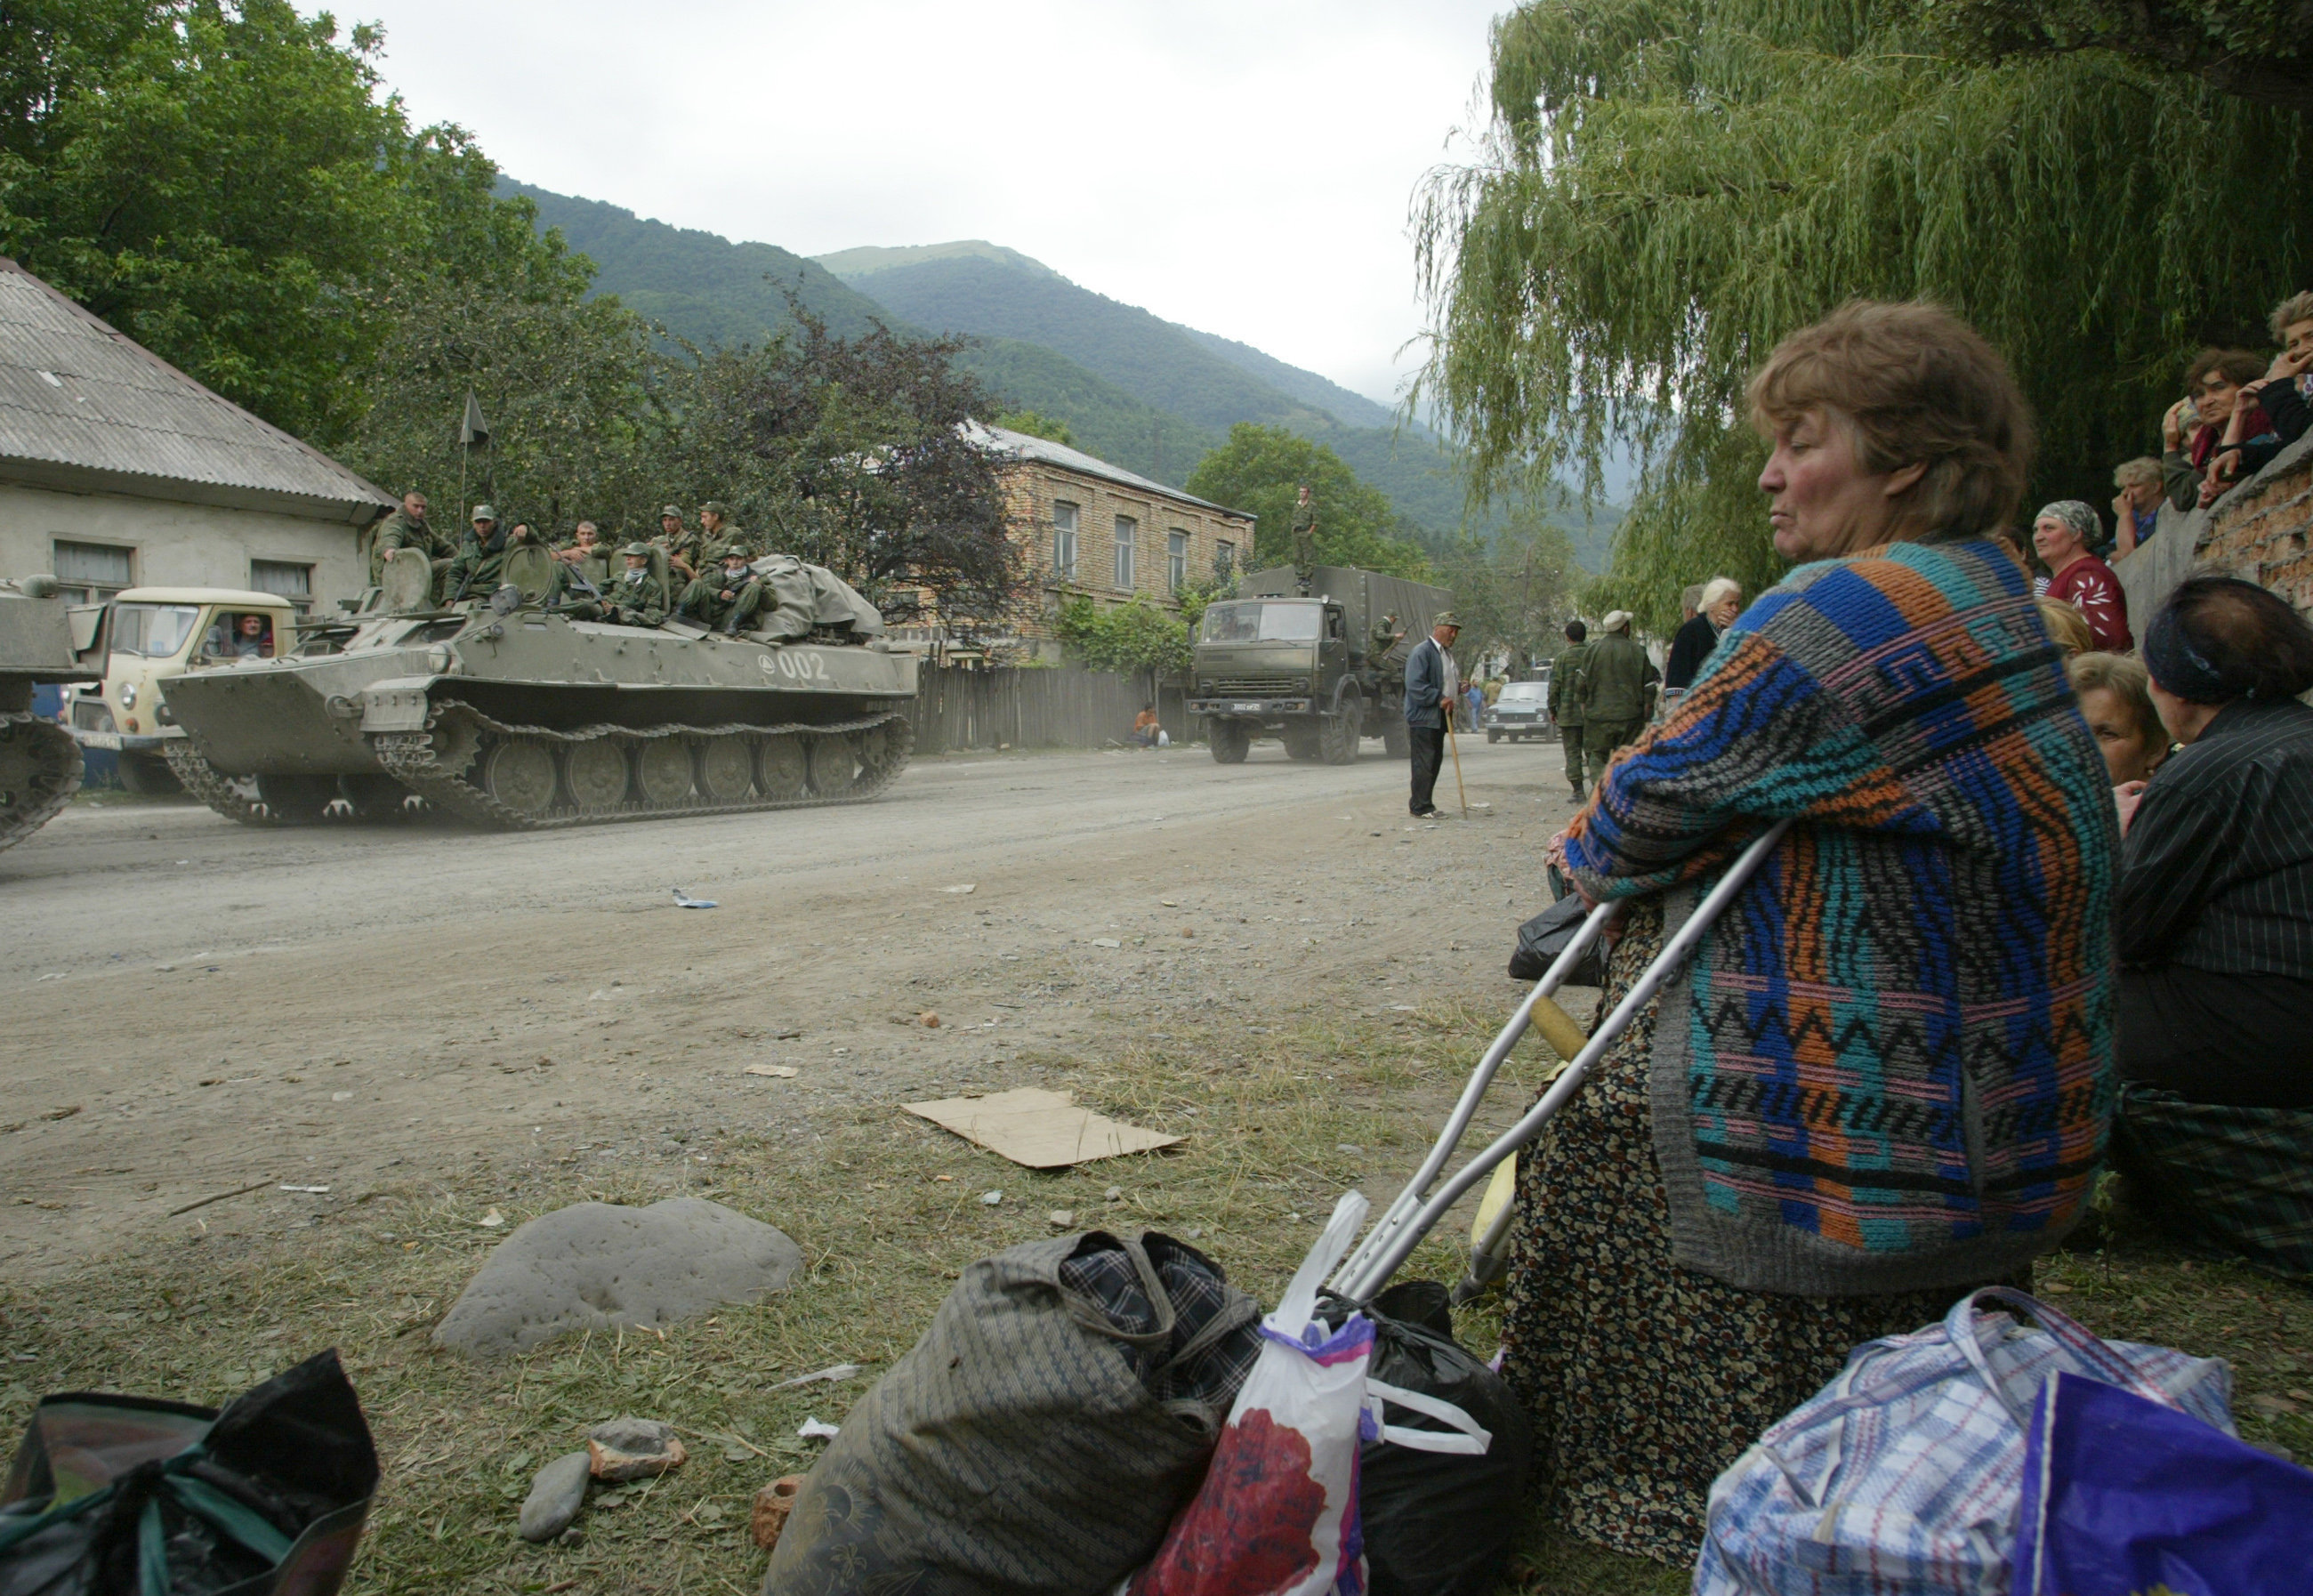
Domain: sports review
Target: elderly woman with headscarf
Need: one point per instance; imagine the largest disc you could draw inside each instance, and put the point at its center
(2215, 930)
(1884, 1078)
(2064, 534)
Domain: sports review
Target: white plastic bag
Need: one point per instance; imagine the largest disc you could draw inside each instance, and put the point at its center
(1278, 1512)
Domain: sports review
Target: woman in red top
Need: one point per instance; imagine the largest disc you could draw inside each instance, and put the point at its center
(2060, 533)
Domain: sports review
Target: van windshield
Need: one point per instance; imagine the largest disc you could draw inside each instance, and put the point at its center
(156, 631)
(1245, 621)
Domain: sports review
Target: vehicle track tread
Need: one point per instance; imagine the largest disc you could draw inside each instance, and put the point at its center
(52, 789)
(205, 782)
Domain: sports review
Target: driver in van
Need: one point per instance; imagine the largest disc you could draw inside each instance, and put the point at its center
(248, 636)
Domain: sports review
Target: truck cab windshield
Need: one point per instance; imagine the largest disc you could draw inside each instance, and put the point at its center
(1245, 621)
(156, 631)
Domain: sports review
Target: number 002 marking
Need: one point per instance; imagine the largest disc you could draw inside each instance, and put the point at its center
(796, 667)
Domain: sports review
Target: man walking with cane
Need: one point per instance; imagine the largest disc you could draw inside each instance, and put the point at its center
(1431, 683)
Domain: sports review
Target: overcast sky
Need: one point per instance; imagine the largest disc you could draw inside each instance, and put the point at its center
(1244, 167)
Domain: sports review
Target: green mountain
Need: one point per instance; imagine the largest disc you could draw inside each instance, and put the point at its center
(1149, 394)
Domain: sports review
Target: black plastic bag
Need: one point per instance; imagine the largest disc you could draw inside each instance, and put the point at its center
(1540, 940)
(112, 1495)
(1436, 1523)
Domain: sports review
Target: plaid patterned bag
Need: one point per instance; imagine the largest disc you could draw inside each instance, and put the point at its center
(1906, 1474)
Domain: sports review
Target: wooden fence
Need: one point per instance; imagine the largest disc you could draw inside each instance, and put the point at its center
(1060, 707)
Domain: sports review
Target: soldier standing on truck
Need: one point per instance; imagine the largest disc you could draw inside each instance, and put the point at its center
(1387, 635)
(1565, 703)
(1305, 537)
(1618, 687)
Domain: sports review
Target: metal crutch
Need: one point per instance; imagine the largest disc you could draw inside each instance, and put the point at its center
(1416, 1212)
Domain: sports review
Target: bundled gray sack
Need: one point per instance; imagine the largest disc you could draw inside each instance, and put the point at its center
(1041, 1435)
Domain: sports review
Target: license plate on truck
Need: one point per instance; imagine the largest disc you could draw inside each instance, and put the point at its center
(1246, 709)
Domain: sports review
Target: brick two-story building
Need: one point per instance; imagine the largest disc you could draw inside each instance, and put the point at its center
(1092, 530)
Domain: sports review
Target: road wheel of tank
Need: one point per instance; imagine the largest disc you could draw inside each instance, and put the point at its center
(726, 769)
(296, 800)
(1337, 743)
(147, 777)
(781, 769)
(834, 762)
(519, 773)
(1396, 741)
(596, 770)
(663, 772)
(1228, 740)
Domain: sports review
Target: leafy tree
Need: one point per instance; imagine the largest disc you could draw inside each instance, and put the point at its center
(1668, 189)
(1036, 425)
(222, 182)
(1260, 469)
(852, 454)
(1132, 636)
(2259, 49)
(1513, 591)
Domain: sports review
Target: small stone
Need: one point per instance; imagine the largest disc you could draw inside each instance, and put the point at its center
(1188, 930)
(929, 1020)
(625, 1449)
(555, 1496)
(991, 1198)
(773, 1503)
(1114, 1194)
(1061, 1217)
(1348, 1147)
(1106, 942)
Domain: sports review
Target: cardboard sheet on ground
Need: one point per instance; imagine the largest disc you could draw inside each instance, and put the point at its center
(1042, 1130)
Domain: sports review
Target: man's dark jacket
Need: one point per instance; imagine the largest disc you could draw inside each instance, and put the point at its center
(1425, 684)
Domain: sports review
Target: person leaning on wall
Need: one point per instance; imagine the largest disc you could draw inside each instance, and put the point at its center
(1778, 1159)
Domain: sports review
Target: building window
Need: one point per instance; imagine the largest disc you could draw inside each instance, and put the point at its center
(1126, 527)
(91, 573)
(1176, 558)
(1224, 558)
(1064, 541)
(292, 582)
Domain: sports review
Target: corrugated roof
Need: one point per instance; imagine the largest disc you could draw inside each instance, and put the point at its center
(1026, 447)
(83, 406)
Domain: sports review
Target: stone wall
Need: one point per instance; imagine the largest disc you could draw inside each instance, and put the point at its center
(2257, 532)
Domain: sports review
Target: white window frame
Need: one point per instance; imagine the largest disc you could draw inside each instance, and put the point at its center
(1128, 532)
(1064, 540)
(301, 602)
(1176, 558)
(83, 590)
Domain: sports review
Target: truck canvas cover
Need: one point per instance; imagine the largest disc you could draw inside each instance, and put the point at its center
(1364, 597)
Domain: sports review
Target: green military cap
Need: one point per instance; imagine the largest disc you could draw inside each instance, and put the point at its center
(715, 507)
(1444, 618)
(732, 552)
(483, 511)
(637, 550)
(667, 510)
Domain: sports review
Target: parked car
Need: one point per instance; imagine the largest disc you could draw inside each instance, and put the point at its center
(1522, 711)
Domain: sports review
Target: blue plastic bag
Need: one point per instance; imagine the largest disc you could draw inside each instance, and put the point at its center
(2123, 1496)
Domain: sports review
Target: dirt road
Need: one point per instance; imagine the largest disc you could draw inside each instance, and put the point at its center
(194, 1007)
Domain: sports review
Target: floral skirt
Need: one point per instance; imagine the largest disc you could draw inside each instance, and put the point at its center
(1646, 1380)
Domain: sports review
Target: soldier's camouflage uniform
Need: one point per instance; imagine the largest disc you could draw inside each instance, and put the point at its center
(1305, 535)
(1566, 709)
(704, 600)
(475, 570)
(636, 597)
(401, 530)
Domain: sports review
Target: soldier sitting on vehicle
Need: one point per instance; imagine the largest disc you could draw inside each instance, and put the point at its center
(406, 528)
(635, 596)
(724, 600)
(474, 572)
(685, 548)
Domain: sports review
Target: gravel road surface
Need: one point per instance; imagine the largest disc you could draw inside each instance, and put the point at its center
(195, 1007)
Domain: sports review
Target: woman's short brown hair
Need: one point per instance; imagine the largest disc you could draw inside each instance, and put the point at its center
(2236, 364)
(2067, 625)
(2125, 678)
(2298, 307)
(1917, 385)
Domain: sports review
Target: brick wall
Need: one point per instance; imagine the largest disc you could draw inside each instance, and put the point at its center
(1035, 488)
(2259, 532)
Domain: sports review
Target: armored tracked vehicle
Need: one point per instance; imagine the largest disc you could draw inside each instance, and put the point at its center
(39, 762)
(510, 714)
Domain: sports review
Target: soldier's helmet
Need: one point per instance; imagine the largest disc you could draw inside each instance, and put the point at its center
(730, 551)
(637, 550)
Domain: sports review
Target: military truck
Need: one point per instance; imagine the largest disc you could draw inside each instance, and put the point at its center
(40, 766)
(506, 713)
(1320, 669)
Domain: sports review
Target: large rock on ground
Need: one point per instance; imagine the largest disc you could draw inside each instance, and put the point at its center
(600, 1265)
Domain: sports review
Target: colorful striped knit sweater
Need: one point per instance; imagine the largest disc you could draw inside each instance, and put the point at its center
(1890, 1066)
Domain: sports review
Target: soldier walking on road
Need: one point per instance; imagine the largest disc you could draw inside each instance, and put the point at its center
(1618, 687)
(1304, 536)
(1432, 680)
(1566, 704)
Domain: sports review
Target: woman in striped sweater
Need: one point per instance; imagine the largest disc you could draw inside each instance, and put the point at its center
(1887, 1076)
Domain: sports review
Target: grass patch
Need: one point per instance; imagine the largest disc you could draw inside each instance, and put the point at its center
(887, 1210)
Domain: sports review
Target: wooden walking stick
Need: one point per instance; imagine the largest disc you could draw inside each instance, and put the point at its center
(1456, 747)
